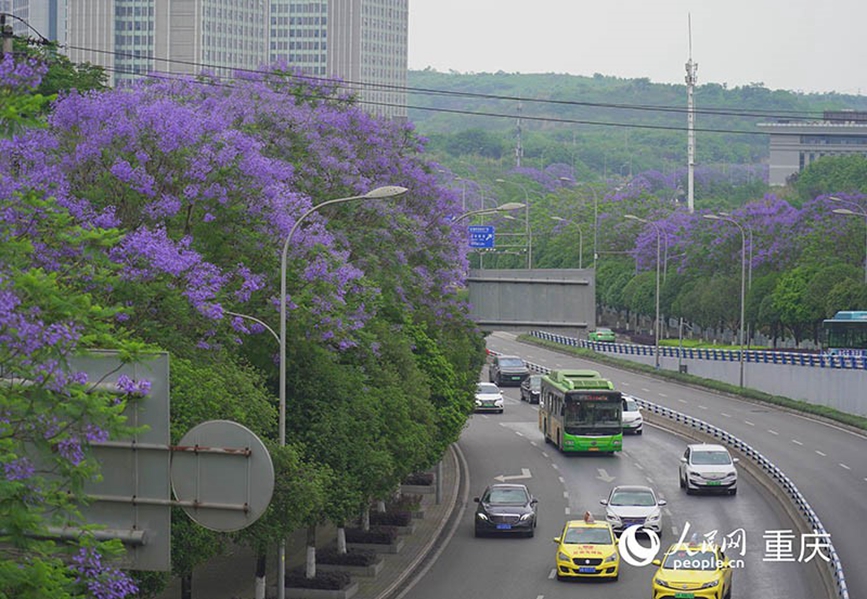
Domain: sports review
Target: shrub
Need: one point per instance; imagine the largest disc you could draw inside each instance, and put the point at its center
(407, 502)
(352, 557)
(329, 581)
(419, 478)
(380, 535)
(391, 518)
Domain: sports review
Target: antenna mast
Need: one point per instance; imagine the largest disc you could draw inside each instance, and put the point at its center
(691, 68)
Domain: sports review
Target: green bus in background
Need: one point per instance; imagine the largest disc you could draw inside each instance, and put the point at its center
(579, 411)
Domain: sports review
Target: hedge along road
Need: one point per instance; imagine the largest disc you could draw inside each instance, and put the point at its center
(824, 460)
(511, 445)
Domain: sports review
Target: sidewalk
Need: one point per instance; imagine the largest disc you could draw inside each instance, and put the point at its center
(232, 576)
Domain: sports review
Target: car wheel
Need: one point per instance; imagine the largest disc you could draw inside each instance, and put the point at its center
(689, 491)
(639, 431)
(560, 577)
(616, 577)
(680, 482)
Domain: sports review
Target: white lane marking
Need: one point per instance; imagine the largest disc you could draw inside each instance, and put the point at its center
(565, 494)
(844, 466)
(674, 530)
(663, 395)
(773, 432)
(568, 511)
(796, 442)
(562, 480)
(552, 574)
(667, 511)
(519, 433)
(725, 415)
(820, 453)
(748, 422)
(645, 390)
(533, 443)
(682, 401)
(555, 466)
(702, 407)
(650, 480)
(639, 466)
(545, 454)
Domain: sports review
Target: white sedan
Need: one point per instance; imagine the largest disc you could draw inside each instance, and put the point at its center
(632, 420)
(489, 398)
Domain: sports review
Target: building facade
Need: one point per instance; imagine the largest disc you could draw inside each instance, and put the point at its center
(360, 42)
(796, 144)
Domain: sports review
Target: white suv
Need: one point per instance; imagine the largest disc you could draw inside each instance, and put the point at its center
(706, 467)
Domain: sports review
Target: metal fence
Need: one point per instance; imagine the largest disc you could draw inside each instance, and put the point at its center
(722, 355)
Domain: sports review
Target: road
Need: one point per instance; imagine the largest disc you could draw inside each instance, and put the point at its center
(509, 444)
(828, 463)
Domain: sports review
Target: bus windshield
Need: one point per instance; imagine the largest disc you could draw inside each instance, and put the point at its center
(586, 415)
(846, 333)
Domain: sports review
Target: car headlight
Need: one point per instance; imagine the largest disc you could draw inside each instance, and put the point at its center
(526, 516)
(612, 517)
(563, 557)
(482, 516)
(653, 517)
(710, 585)
(611, 558)
(662, 583)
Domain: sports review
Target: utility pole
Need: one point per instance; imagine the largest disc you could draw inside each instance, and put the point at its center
(519, 148)
(691, 79)
(6, 33)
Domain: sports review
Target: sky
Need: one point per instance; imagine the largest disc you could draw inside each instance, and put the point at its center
(799, 45)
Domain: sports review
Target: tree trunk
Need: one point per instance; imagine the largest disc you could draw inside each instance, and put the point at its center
(261, 562)
(310, 571)
(187, 586)
(380, 506)
(365, 518)
(341, 539)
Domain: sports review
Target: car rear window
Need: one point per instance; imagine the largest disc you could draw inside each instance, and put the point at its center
(511, 363)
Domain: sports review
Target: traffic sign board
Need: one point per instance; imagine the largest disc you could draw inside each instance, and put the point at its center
(481, 236)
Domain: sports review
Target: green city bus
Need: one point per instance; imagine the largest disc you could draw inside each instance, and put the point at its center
(846, 334)
(579, 411)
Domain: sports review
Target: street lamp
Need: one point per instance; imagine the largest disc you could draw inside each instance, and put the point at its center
(858, 212)
(560, 219)
(388, 191)
(503, 208)
(658, 243)
(743, 282)
(529, 233)
(595, 217)
(749, 251)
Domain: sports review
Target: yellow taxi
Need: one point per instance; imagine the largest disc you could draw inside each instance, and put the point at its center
(693, 571)
(587, 549)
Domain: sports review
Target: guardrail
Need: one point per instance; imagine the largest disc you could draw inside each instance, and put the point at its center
(723, 355)
(792, 492)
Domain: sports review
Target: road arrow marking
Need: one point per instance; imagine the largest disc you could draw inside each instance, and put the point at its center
(525, 473)
(604, 476)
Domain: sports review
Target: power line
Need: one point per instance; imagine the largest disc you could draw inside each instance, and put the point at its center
(475, 95)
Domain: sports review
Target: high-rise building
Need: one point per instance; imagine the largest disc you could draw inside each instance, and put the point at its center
(361, 42)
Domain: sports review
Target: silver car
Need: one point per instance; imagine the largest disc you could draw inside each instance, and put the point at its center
(489, 398)
(633, 421)
(707, 467)
(629, 505)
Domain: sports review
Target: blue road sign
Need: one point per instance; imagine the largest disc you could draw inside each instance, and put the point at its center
(481, 236)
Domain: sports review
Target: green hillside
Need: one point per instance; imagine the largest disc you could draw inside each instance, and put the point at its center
(476, 115)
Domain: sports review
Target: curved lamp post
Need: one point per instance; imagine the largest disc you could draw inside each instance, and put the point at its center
(388, 191)
(528, 231)
(658, 243)
(743, 282)
(560, 219)
(595, 216)
(850, 212)
(503, 208)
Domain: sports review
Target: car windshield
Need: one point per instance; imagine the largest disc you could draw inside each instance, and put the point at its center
(587, 536)
(629, 406)
(639, 498)
(488, 388)
(693, 559)
(510, 496)
(711, 458)
(511, 363)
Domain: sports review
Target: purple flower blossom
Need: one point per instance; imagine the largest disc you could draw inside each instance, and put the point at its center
(19, 469)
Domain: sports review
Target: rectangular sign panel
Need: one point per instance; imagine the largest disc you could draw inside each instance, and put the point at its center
(481, 236)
